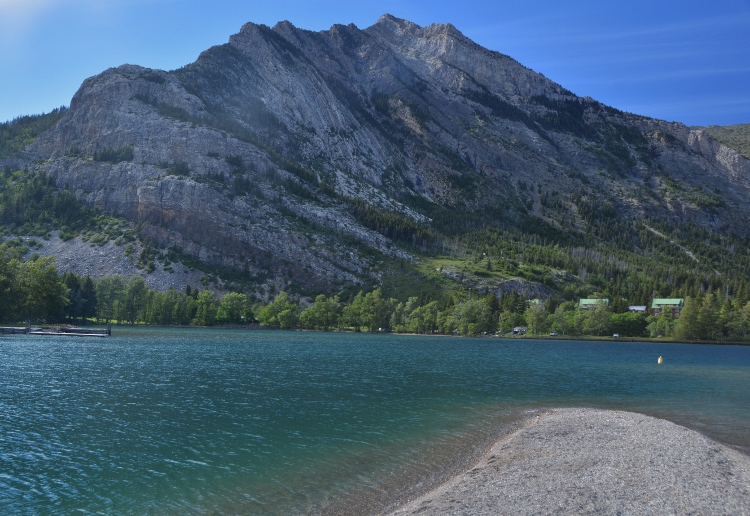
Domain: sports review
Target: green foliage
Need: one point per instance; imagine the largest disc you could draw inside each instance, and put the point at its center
(215, 179)
(112, 155)
(414, 318)
(170, 307)
(629, 324)
(592, 209)
(31, 290)
(563, 320)
(372, 311)
(351, 316)
(110, 291)
(375, 311)
(43, 294)
(700, 319)
(537, 320)
(206, 309)
(736, 321)
(735, 137)
(135, 295)
(302, 173)
(661, 326)
(146, 258)
(283, 311)
(324, 314)
(473, 316)
(626, 261)
(392, 225)
(31, 204)
(696, 195)
(18, 133)
(597, 321)
(235, 309)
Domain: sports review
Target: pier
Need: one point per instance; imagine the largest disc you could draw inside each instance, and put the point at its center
(57, 332)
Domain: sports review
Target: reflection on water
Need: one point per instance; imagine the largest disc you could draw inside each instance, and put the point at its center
(191, 420)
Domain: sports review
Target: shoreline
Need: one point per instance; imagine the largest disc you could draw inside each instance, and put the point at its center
(581, 338)
(572, 461)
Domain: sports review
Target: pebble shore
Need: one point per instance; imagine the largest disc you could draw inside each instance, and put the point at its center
(586, 461)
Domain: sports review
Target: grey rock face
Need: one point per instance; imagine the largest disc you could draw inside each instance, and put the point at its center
(236, 156)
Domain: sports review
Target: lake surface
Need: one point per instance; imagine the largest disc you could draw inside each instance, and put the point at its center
(195, 421)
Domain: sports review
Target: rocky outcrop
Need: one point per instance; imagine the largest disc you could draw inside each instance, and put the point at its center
(249, 157)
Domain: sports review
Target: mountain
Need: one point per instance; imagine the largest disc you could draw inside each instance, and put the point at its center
(323, 160)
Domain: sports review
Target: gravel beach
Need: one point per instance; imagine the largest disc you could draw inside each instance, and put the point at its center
(586, 461)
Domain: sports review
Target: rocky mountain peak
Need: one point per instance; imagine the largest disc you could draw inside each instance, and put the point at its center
(284, 150)
(400, 31)
(393, 24)
(389, 23)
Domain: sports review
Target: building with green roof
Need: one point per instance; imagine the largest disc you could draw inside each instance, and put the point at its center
(589, 304)
(673, 306)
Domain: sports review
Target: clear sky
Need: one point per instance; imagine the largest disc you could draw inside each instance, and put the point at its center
(685, 61)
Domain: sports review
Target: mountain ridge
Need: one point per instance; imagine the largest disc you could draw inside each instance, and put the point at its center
(258, 156)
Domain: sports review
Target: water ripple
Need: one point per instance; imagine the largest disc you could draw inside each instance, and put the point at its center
(195, 421)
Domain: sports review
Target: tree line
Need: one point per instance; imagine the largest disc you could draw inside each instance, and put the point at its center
(707, 317)
(34, 291)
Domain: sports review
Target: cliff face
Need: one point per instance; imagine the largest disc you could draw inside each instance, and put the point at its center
(735, 137)
(250, 157)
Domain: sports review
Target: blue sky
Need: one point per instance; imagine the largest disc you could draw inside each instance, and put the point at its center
(685, 61)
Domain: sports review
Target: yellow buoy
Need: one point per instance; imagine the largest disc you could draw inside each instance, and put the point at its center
(660, 360)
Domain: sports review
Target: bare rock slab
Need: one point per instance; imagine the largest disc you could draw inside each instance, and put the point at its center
(585, 461)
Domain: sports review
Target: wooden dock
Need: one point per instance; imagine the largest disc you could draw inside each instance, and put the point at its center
(12, 330)
(56, 332)
(65, 334)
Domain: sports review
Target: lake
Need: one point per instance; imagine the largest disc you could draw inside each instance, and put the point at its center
(195, 421)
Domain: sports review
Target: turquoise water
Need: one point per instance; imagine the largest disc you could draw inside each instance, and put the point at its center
(176, 421)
